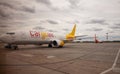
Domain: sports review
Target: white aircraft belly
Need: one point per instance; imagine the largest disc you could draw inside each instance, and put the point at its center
(31, 42)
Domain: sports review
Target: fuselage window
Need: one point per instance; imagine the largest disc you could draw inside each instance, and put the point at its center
(10, 33)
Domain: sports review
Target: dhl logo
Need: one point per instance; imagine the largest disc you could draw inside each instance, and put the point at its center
(43, 35)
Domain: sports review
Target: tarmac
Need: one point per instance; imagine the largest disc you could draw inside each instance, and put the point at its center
(73, 58)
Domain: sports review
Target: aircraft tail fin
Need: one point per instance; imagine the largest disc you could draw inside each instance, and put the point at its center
(96, 40)
(71, 35)
(73, 30)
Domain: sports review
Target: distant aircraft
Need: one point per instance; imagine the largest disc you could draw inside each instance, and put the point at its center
(96, 40)
(13, 39)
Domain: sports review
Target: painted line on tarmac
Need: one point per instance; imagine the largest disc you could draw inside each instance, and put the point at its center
(27, 55)
(50, 57)
(22, 54)
(114, 64)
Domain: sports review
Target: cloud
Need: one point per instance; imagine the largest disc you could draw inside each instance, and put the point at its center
(38, 28)
(73, 22)
(52, 21)
(9, 14)
(97, 21)
(28, 9)
(115, 26)
(6, 5)
(94, 29)
(74, 3)
(51, 30)
(3, 14)
(56, 4)
(47, 2)
(118, 24)
(4, 26)
(17, 6)
(66, 29)
(12, 10)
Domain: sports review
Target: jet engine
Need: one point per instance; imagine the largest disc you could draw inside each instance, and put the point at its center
(58, 43)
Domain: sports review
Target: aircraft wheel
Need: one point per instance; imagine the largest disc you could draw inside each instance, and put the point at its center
(15, 47)
(60, 46)
(49, 45)
(8, 46)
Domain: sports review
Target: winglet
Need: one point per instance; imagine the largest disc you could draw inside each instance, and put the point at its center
(71, 35)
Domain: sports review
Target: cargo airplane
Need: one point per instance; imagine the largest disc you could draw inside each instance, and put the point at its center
(13, 39)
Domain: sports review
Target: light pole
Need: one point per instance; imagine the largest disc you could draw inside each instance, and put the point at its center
(106, 36)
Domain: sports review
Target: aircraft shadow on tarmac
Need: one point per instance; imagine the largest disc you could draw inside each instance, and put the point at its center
(37, 48)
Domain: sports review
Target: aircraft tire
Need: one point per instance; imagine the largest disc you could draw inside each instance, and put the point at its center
(50, 45)
(8, 46)
(15, 47)
(60, 46)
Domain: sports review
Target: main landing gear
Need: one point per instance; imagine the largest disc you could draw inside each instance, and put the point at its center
(50, 45)
(9, 46)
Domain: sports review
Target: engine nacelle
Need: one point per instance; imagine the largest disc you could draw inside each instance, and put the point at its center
(58, 43)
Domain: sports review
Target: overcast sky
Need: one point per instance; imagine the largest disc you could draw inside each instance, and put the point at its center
(91, 16)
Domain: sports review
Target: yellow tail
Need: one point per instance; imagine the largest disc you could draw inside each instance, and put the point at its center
(72, 34)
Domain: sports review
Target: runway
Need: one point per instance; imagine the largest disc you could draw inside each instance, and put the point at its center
(73, 58)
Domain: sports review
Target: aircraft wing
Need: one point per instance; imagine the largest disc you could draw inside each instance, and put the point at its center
(80, 36)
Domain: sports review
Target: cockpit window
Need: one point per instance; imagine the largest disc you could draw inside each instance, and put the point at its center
(10, 33)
